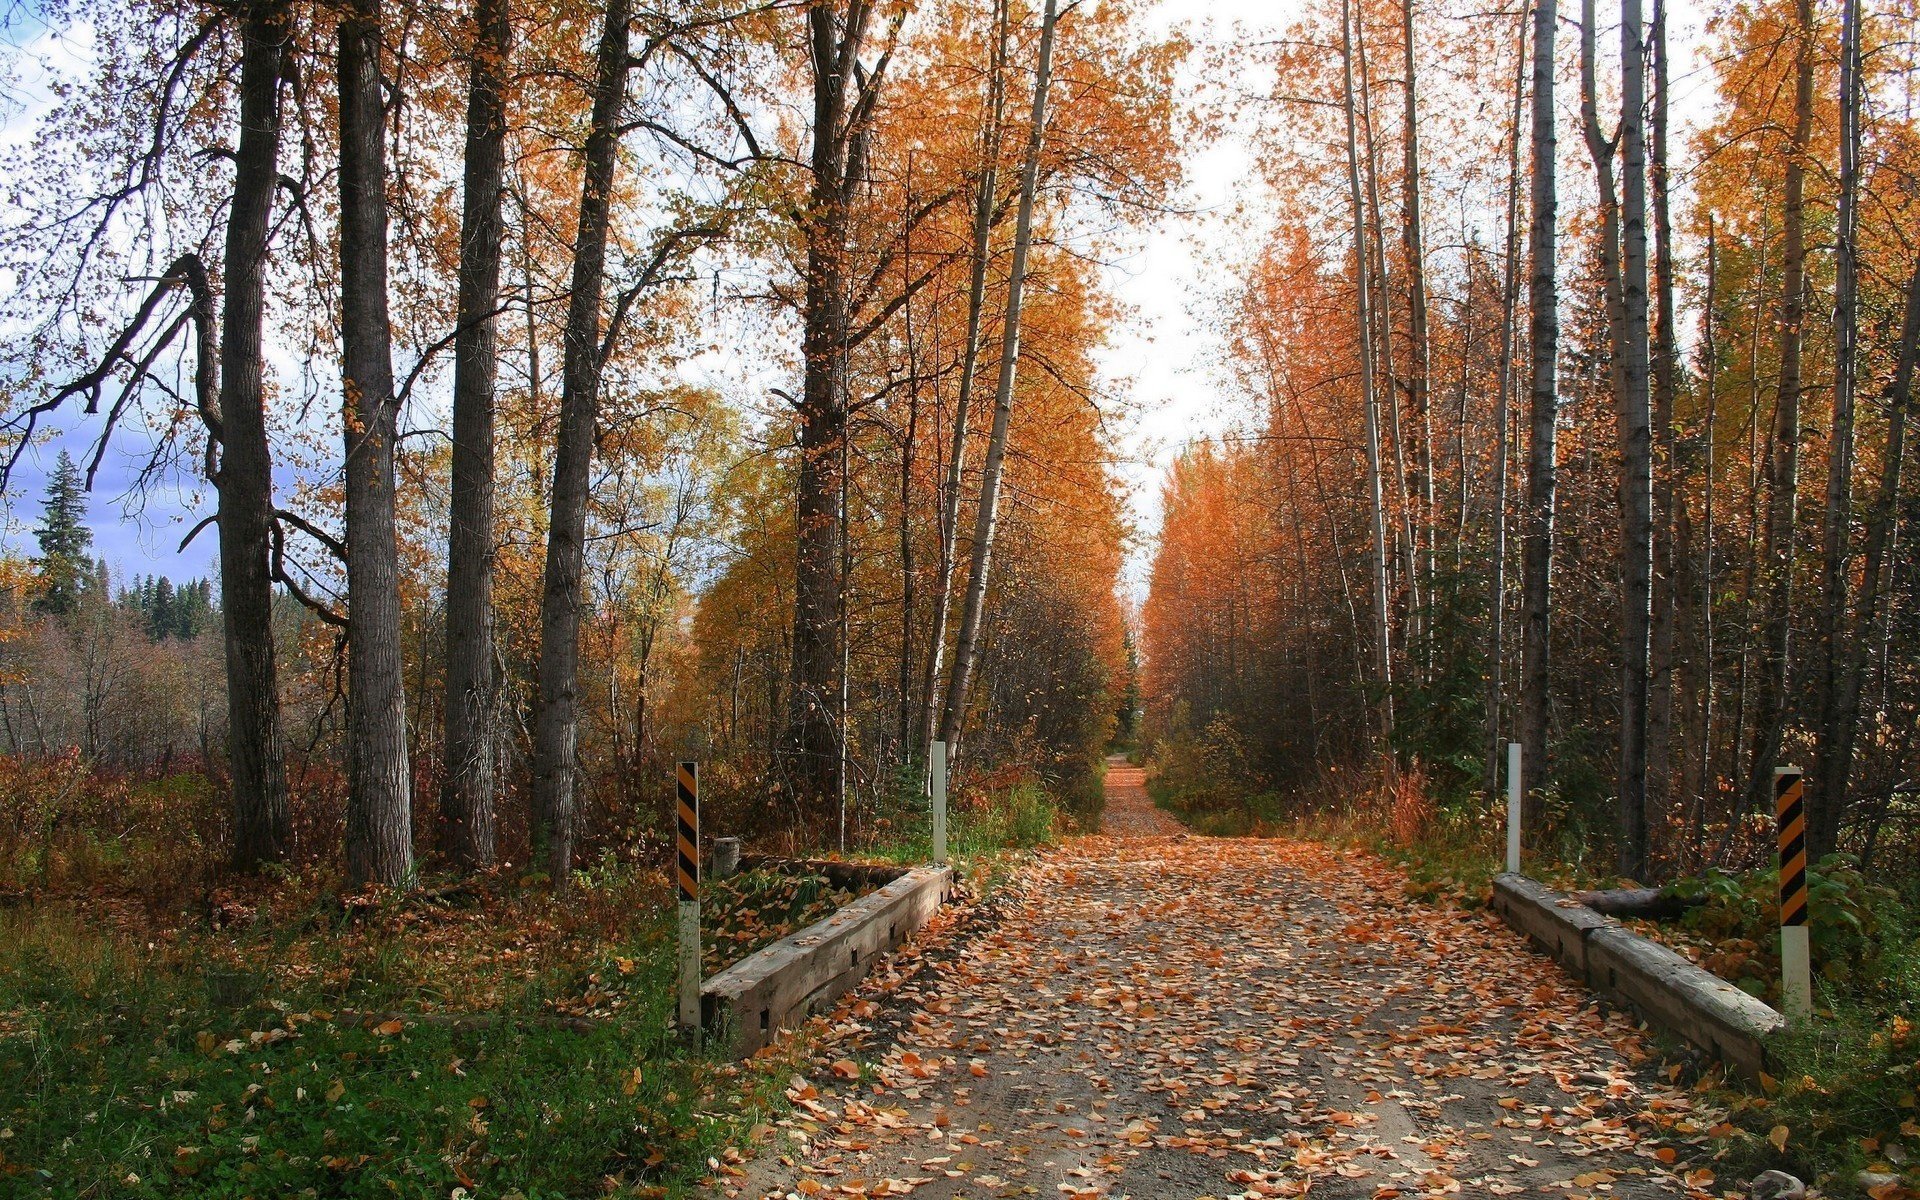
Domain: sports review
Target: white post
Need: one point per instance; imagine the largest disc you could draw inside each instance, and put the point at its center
(1513, 808)
(938, 774)
(690, 969)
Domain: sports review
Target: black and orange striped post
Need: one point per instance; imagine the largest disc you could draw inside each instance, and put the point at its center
(1796, 959)
(688, 873)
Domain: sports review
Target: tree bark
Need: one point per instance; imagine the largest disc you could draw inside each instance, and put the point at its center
(1382, 656)
(843, 98)
(379, 784)
(1775, 575)
(966, 654)
(1543, 415)
(467, 795)
(1419, 370)
(556, 727)
(1672, 603)
(1636, 451)
(986, 192)
(1503, 451)
(1837, 763)
(1832, 766)
(262, 830)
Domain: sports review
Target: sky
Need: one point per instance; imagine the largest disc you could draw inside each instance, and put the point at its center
(1165, 354)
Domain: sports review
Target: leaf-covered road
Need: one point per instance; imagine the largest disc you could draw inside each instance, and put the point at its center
(1168, 1016)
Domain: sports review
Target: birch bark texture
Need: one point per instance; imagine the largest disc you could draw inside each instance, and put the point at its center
(967, 649)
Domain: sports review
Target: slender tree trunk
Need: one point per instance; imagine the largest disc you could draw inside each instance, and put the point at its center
(1380, 298)
(1672, 603)
(1509, 303)
(1419, 369)
(840, 104)
(967, 651)
(262, 830)
(1543, 417)
(986, 191)
(1830, 778)
(379, 784)
(1363, 325)
(1783, 458)
(1704, 775)
(467, 794)
(1636, 450)
(556, 718)
(904, 724)
(1881, 523)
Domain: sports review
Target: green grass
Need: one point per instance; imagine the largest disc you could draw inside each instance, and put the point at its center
(137, 1073)
(986, 837)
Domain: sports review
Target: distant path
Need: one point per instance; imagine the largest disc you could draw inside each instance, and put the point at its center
(1169, 1018)
(1129, 811)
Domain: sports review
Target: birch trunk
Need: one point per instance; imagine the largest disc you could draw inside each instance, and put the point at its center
(1672, 596)
(1835, 751)
(1776, 563)
(967, 650)
(1419, 370)
(1509, 303)
(1636, 450)
(1881, 527)
(986, 192)
(1543, 415)
(1363, 326)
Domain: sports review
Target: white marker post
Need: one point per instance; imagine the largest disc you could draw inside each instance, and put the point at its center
(1796, 954)
(1513, 808)
(688, 780)
(937, 775)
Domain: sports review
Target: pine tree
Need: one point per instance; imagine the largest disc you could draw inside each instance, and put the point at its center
(64, 537)
(161, 612)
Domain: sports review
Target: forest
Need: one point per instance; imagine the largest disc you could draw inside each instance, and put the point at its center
(542, 564)
(560, 391)
(1601, 451)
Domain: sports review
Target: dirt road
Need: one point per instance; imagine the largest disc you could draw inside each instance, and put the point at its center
(1169, 1016)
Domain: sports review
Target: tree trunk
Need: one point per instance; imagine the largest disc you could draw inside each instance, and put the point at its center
(1636, 451)
(1363, 323)
(1830, 771)
(467, 794)
(985, 197)
(1381, 306)
(1543, 416)
(556, 715)
(966, 653)
(262, 831)
(1838, 763)
(841, 108)
(1703, 775)
(379, 784)
(1783, 459)
(1672, 603)
(1509, 302)
(1419, 370)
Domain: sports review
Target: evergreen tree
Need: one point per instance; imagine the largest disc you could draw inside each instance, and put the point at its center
(65, 568)
(162, 613)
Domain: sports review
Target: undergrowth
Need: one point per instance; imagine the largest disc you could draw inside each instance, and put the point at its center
(353, 1050)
